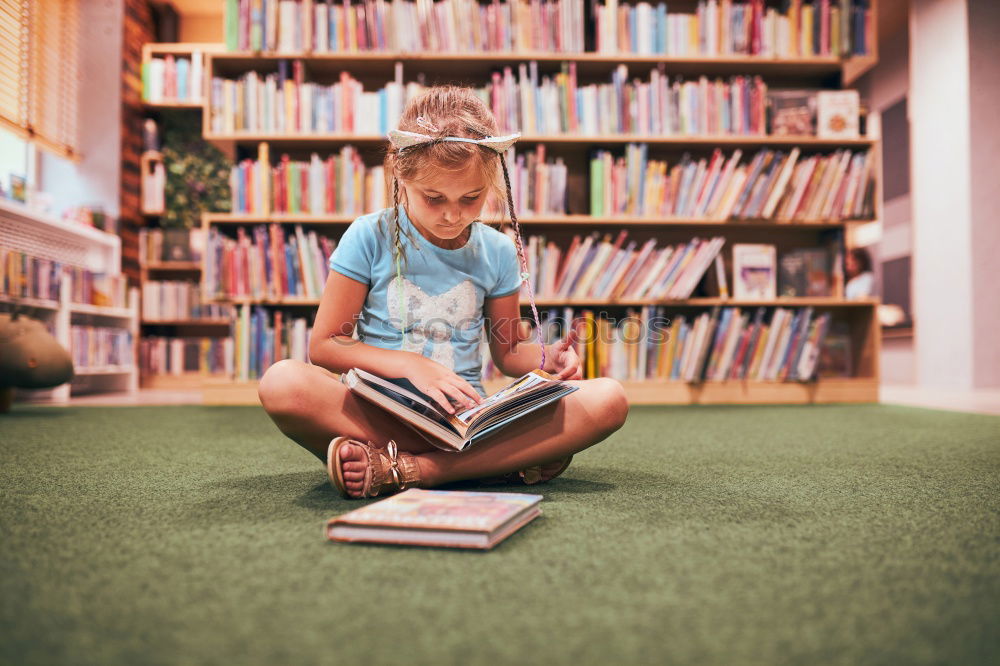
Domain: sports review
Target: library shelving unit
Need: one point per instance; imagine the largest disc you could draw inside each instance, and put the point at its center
(174, 270)
(46, 237)
(473, 69)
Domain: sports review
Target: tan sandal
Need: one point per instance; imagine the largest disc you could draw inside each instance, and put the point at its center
(388, 468)
(528, 476)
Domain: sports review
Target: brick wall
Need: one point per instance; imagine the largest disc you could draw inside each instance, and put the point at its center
(137, 30)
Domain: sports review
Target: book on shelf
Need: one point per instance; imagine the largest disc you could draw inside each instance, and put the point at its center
(792, 112)
(754, 271)
(169, 245)
(837, 114)
(805, 272)
(173, 78)
(460, 430)
(441, 518)
(261, 337)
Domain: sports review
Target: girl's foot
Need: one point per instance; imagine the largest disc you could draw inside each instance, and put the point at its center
(531, 475)
(359, 469)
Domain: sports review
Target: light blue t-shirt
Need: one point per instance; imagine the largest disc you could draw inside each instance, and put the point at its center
(441, 294)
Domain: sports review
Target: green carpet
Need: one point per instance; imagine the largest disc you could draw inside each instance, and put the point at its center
(771, 535)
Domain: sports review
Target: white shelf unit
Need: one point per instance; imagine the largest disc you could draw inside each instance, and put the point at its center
(47, 237)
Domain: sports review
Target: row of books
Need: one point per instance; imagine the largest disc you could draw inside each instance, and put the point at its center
(174, 78)
(262, 337)
(773, 185)
(660, 105)
(724, 344)
(91, 288)
(450, 26)
(729, 27)
(717, 27)
(97, 347)
(25, 276)
(601, 268)
(339, 184)
(173, 300)
(178, 356)
(170, 244)
(263, 263)
(284, 102)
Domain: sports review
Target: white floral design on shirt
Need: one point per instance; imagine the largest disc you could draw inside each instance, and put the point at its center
(431, 322)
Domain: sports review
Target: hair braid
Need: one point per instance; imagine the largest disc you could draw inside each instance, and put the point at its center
(520, 255)
(397, 251)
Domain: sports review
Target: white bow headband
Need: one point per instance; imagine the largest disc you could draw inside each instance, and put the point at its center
(402, 140)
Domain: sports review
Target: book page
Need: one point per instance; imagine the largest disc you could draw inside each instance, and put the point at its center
(523, 383)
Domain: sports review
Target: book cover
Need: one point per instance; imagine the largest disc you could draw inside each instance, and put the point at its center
(443, 518)
(837, 114)
(792, 112)
(754, 274)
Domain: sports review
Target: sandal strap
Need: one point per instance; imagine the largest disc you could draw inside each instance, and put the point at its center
(390, 469)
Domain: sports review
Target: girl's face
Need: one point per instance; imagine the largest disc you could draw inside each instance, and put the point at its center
(446, 203)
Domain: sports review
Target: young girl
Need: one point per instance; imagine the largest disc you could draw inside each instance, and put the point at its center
(418, 281)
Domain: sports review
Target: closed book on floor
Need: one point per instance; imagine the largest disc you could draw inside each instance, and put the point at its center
(442, 518)
(457, 431)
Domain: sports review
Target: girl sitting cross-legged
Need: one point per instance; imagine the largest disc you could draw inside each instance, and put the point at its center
(409, 292)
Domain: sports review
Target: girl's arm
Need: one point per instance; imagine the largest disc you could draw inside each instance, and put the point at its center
(514, 357)
(332, 347)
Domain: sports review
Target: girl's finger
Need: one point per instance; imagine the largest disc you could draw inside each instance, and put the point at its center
(439, 397)
(455, 393)
(467, 389)
(566, 373)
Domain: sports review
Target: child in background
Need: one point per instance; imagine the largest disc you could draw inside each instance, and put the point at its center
(417, 283)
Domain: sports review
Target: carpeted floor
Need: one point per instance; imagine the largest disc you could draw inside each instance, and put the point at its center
(796, 535)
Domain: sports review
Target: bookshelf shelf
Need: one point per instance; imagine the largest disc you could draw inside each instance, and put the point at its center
(101, 311)
(833, 390)
(187, 322)
(554, 220)
(174, 105)
(572, 140)
(168, 266)
(589, 302)
(479, 64)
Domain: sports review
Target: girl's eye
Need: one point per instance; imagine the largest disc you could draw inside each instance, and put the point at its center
(437, 200)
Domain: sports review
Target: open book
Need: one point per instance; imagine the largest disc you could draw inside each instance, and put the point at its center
(457, 431)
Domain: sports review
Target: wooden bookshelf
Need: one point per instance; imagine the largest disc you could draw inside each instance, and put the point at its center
(474, 68)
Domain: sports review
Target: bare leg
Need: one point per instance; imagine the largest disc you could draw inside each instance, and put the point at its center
(311, 407)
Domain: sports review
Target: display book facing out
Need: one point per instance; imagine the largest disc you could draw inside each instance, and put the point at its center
(457, 431)
(443, 518)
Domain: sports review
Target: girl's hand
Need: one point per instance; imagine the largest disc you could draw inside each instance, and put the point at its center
(561, 359)
(439, 383)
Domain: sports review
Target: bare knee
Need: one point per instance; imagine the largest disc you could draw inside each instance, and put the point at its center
(607, 404)
(281, 389)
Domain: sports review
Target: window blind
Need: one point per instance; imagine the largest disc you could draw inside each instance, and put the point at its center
(39, 71)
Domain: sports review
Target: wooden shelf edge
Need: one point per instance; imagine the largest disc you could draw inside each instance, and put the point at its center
(834, 390)
(338, 218)
(583, 302)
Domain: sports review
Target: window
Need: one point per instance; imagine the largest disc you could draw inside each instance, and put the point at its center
(39, 71)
